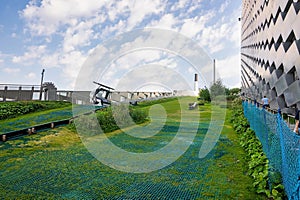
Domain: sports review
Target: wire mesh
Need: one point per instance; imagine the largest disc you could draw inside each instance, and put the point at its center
(73, 173)
(280, 145)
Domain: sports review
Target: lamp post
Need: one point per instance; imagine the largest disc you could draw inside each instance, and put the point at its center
(41, 88)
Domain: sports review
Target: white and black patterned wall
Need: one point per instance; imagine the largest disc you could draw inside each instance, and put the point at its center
(270, 51)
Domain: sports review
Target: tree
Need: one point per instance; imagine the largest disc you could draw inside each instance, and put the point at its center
(235, 91)
(227, 91)
(217, 89)
(204, 94)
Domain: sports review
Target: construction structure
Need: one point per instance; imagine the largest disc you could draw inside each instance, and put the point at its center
(19, 92)
(102, 95)
(270, 52)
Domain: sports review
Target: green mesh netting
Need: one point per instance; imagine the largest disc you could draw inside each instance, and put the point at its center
(29, 121)
(73, 173)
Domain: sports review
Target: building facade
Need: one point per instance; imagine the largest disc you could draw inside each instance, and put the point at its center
(270, 52)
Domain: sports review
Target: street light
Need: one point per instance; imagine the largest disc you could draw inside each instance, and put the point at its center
(41, 88)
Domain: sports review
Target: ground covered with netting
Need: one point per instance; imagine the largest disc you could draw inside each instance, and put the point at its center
(54, 164)
(29, 120)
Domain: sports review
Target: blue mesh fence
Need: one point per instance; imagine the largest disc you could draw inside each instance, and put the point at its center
(280, 145)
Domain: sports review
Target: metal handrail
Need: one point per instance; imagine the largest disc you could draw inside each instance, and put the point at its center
(273, 111)
(14, 84)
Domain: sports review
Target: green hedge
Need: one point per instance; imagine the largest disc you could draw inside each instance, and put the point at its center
(14, 109)
(257, 160)
(110, 120)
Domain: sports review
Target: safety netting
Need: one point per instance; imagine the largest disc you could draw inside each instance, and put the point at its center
(29, 169)
(29, 121)
(280, 144)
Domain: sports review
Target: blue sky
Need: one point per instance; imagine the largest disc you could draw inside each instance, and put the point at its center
(59, 35)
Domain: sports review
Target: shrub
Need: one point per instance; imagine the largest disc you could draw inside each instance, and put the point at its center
(138, 115)
(257, 160)
(13, 109)
(204, 95)
(111, 119)
(201, 102)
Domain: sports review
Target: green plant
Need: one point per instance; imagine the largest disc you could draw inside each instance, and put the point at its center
(201, 102)
(204, 95)
(138, 115)
(111, 119)
(217, 89)
(257, 160)
(14, 109)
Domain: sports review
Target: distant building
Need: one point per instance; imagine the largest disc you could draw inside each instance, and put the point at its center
(270, 51)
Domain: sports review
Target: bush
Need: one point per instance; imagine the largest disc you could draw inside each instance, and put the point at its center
(138, 115)
(257, 160)
(201, 102)
(204, 95)
(111, 119)
(14, 109)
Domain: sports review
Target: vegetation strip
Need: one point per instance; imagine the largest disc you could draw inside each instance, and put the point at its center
(15, 109)
(64, 116)
(258, 167)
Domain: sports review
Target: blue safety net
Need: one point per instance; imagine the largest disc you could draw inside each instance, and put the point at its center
(280, 144)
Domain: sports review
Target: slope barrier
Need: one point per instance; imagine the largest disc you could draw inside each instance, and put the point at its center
(280, 144)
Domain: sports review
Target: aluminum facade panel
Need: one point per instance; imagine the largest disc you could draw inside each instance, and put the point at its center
(270, 50)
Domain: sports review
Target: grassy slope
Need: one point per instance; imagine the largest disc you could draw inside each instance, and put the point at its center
(231, 163)
(17, 108)
(55, 164)
(28, 120)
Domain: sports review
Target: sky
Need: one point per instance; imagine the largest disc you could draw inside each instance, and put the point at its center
(61, 35)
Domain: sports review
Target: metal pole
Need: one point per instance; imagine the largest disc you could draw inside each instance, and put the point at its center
(41, 87)
(214, 72)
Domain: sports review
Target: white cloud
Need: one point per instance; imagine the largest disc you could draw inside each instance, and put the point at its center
(72, 63)
(192, 27)
(218, 36)
(168, 62)
(140, 9)
(71, 27)
(151, 76)
(115, 29)
(224, 6)
(229, 70)
(129, 61)
(30, 75)
(194, 5)
(50, 60)
(11, 70)
(167, 21)
(139, 57)
(13, 35)
(179, 5)
(47, 18)
(33, 52)
(78, 36)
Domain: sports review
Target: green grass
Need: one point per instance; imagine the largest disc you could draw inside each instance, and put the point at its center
(15, 109)
(29, 120)
(55, 164)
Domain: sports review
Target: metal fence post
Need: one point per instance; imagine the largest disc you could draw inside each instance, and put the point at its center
(5, 93)
(283, 158)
